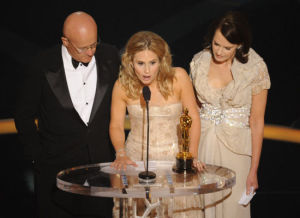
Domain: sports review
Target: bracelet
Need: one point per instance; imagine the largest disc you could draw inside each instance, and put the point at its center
(120, 152)
(120, 155)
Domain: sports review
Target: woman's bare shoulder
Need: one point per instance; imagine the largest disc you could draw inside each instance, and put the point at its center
(119, 90)
(180, 73)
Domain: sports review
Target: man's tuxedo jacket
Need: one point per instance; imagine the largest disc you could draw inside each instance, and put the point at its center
(61, 137)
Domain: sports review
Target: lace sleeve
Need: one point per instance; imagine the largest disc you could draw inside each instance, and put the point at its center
(192, 70)
(262, 79)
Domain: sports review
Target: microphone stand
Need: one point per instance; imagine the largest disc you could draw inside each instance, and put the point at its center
(147, 163)
(147, 177)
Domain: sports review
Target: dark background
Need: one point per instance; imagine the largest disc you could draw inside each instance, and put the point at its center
(29, 27)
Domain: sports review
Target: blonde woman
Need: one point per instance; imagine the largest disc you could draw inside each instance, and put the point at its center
(147, 62)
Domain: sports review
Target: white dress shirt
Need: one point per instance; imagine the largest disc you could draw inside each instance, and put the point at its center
(81, 83)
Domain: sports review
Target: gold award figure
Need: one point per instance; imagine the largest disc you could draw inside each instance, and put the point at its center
(184, 158)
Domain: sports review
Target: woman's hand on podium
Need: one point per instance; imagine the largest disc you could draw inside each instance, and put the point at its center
(200, 166)
(122, 161)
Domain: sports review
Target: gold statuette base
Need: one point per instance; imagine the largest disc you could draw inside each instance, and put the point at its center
(184, 165)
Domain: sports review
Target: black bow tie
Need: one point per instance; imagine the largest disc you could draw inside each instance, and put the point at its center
(76, 63)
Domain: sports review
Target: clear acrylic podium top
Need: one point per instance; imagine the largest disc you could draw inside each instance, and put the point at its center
(103, 181)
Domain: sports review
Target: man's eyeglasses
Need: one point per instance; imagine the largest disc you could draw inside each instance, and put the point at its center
(84, 49)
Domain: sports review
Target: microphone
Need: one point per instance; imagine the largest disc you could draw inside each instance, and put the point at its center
(147, 177)
(146, 94)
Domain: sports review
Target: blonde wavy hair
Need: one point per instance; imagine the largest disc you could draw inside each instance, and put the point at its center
(140, 41)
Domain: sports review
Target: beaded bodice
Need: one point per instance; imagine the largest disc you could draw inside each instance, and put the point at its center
(163, 132)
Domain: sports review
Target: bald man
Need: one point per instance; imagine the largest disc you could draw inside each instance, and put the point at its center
(68, 90)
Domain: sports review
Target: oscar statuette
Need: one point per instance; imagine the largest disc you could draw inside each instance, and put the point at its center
(184, 159)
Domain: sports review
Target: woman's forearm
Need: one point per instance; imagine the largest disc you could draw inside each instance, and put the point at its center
(195, 136)
(117, 136)
(257, 129)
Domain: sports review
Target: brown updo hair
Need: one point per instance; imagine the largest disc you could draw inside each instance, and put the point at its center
(235, 28)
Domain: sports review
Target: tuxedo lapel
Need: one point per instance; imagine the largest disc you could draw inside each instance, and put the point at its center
(58, 83)
(101, 88)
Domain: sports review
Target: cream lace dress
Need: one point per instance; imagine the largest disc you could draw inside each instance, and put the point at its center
(225, 134)
(163, 145)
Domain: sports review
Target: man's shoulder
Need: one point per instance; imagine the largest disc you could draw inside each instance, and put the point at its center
(48, 52)
(47, 56)
(107, 49)
(107, 46)
(44, 60)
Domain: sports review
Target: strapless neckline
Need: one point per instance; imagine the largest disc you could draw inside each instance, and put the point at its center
(153, 106)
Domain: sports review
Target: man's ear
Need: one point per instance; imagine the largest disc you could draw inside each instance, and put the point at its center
(65, 41)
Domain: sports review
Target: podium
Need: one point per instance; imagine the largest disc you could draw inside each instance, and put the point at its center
(104, 181)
